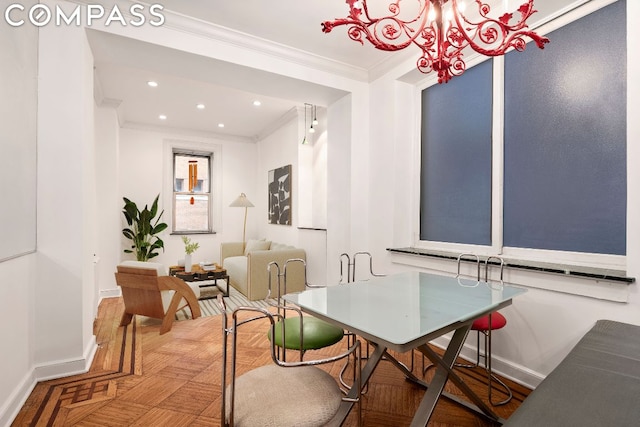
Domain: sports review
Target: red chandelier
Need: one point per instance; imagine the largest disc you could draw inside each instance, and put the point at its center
(441, 31)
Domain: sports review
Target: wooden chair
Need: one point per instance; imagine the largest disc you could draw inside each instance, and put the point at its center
(148, 291)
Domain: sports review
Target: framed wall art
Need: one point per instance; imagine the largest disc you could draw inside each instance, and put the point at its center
(280, 195)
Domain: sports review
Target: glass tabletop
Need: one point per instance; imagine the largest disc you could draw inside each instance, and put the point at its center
(403, 308)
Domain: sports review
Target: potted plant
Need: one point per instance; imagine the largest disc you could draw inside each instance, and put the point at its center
(143, 229)
(189, 248)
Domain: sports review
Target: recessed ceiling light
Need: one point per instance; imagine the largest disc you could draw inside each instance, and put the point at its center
(220, 125)
(257, 103)
(200, 106)
(162, 117)
(152, 83)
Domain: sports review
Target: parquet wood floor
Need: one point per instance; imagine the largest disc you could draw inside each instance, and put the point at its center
(141, 378)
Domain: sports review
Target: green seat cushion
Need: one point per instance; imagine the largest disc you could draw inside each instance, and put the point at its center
(316, 333)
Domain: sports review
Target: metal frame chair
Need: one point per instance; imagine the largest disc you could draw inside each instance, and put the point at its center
(283, 393)
(349, 277)
(484, 325)
(290, 332)
(351, 267)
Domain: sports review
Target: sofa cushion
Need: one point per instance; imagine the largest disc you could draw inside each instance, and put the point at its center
(249, 274)
(257, 245)
(168, 295)
(236, 267)
(159, 268)
(280, 246)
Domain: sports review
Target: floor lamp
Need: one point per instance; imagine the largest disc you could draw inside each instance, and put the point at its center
(242, 202)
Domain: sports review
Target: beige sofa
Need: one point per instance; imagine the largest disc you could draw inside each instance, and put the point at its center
(247, 269)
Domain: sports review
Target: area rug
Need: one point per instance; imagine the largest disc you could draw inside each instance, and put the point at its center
(210, 307)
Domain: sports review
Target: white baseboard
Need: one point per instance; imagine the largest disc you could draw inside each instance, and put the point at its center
(53, 370)
(517, 373)
(9, 411)
(65, 368)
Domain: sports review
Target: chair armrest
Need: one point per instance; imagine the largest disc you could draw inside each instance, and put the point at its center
(181, 291)
(229, 249)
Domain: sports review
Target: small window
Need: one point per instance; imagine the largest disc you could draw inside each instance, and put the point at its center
(192, 192)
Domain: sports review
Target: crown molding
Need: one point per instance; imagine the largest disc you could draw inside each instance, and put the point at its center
(290, 115)
(186, 132)
(246, 41)
(115, 104)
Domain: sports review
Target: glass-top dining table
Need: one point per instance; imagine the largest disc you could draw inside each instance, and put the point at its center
(405, 311)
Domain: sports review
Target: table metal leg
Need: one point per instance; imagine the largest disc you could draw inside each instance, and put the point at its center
(444, 371)
(225, 293)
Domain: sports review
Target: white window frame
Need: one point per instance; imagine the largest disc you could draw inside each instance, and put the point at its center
(197, 148)
(606, 261)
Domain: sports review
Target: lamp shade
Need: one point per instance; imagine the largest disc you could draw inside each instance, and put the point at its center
(241, 202)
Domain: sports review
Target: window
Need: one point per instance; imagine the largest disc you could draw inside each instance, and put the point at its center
(192, 192)
(560, 183)
(456, 159)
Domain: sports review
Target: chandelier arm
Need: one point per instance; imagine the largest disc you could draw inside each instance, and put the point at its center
(381, 32)
(441, 43)
(488, 30)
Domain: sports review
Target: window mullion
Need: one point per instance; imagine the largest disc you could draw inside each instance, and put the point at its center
(497, 157)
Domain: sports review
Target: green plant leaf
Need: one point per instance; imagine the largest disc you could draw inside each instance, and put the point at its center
(130, 211)
(159, 228)
(156, 245)
(154, 206)
(145, 222)
(144, 225)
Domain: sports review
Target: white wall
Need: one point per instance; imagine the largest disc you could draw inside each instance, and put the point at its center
(51, 295)
(109, 200)
(17, 290)
(312, 172)
(348, 181)
(141, 176)
(338, 184)
(18, 136)
(276, 150)
(319, 172)
(63, 339)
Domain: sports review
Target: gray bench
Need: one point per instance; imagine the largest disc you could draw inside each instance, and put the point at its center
(597, 384)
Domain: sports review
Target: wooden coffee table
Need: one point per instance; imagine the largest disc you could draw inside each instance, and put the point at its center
(204, 278)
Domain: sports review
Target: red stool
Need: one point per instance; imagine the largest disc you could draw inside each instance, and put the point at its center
(485, 325)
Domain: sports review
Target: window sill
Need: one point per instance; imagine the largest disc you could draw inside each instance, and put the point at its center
(599, 283)
(187, 233)
(563, 269)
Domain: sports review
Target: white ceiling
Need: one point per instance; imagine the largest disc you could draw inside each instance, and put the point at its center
(123, 66)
